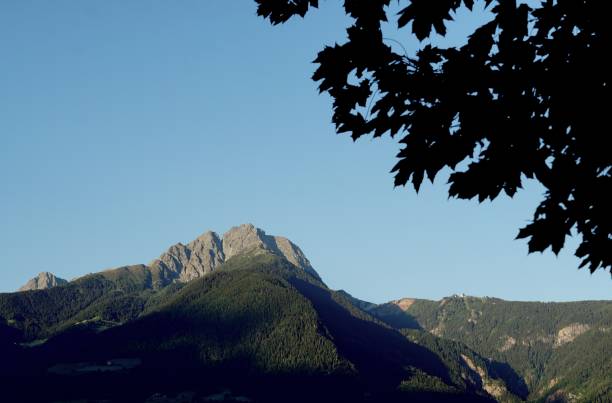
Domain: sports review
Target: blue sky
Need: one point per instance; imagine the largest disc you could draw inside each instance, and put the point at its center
(127, 126)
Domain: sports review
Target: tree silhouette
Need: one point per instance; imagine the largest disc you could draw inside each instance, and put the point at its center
(527, 96)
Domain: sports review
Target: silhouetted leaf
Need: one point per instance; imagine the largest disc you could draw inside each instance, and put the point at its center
(279, 11)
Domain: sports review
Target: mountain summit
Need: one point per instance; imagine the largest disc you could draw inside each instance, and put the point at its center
(43, 281)
(205, 253)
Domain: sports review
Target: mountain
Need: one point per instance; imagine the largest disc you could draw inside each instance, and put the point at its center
(560, 350)
(245, 317)
(182, 263)
(258, 326)
(43, 281)
(121, 294)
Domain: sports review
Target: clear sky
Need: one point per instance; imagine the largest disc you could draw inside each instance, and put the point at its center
(127, 126)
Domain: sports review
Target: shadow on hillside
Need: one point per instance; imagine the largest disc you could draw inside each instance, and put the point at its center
(395, 317)
(198, 386)
(514, 382)
(379, 353)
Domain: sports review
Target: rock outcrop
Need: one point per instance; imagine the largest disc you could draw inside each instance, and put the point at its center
(43, 281)
(509, 342)
(569, 333)
(493, 387)
(197, 258)
(404, 303)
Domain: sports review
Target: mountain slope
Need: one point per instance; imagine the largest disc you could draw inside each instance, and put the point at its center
(535, 339)
(258, 325)
(41, 313)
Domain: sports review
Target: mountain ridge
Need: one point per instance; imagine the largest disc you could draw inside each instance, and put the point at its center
(186, 262)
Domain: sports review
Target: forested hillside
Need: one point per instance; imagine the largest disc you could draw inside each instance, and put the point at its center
(558, 349)
(258, 317)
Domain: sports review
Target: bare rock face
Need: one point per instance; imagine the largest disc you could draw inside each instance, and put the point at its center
(493, 387)
(43, 281)
(509, 342)
(246, 238)
(204, 254)
(293, 254)
(569, 333)
(404, 303)
(197, 258)
(174, 259)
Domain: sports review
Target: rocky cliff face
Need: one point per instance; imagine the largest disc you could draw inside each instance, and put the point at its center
(43, 281)
(208, 251)
(197, 258)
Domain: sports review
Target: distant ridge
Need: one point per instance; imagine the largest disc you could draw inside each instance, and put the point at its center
(559, 350)
(43, 281)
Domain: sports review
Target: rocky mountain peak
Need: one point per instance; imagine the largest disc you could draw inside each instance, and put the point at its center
(43, 281)
(243, 238)
(205, 253)
(247, 238)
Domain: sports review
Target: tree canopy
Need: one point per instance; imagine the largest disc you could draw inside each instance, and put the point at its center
(525, 97)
